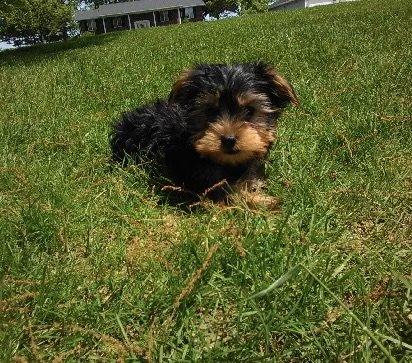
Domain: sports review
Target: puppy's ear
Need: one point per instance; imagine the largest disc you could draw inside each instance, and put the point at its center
(280, 91)
(181, 88)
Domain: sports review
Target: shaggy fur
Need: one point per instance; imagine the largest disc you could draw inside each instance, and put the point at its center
(218, 124)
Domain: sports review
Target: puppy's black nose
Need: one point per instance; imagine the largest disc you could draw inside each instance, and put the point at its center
(228, 142)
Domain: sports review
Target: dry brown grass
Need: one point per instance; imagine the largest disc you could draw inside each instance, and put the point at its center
(196, 276)
(153, 244)
(158, 329)
(10, 303)
(121, 350)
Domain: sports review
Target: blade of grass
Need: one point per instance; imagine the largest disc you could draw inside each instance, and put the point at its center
(126, 338)
(279, 282)
(341, 267)
(394, 340)
(122, 330)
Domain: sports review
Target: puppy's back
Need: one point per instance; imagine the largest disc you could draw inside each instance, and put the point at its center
(147, 132)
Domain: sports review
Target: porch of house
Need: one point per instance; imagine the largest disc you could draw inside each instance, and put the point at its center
(141, 20)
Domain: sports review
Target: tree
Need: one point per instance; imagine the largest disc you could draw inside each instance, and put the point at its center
(215, 8)
(97, 3)
(253, 6)
(34, 21)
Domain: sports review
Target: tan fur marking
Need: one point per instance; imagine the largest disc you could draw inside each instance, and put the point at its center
(260, 200)
(252, 193)
(283, 86)
(247, 98)
(209, 98)
(257, 100)
(182, 80)
(261, 103)
(252, 142)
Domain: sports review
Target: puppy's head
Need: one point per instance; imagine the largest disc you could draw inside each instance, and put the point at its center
(232, 110)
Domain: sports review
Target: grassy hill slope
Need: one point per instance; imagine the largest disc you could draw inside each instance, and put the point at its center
(94, 267)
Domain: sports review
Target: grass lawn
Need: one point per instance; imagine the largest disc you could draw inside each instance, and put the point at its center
(93, 267)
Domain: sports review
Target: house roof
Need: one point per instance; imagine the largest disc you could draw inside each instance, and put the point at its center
(137, 6)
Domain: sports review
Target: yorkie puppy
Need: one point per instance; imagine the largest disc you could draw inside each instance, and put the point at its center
(214, 133)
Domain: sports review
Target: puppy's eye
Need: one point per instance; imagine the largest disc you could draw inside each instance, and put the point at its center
(249, 111)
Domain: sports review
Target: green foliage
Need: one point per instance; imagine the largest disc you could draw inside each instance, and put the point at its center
(216, 7)
(253, 6)
(34, 21)
(96, 266)
(97, 3)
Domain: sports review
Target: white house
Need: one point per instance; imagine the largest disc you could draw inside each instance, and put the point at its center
(300, 4)
(139, 14)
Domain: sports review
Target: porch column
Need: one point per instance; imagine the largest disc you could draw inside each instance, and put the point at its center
(154, 18)
(179, 19)
(130, 24)
(104, 26)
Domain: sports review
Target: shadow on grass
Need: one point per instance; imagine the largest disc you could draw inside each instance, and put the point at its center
(160, 185)
(40, 52)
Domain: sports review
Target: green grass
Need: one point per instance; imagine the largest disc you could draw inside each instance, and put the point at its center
(94, 268)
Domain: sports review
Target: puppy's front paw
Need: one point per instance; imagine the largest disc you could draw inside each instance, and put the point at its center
(258, 200)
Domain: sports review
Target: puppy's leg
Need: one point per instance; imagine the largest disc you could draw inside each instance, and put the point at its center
(251, 189)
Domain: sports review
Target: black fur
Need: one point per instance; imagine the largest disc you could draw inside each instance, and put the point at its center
(234, 78)
(159, 132)
(164, 131)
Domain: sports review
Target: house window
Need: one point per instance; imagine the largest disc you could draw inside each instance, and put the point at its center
(91, 25)
(189, 13)
(164, 16)
(117, 22)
